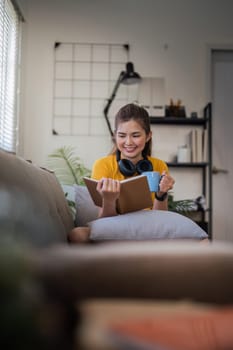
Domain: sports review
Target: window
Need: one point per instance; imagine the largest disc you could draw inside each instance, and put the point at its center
(9, 55)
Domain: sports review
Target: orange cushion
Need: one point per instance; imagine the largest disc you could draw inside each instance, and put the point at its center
(210, 330)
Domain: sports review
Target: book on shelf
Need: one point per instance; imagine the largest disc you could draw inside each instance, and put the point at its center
(205, 146)
(199, 145)
(134, 194)
(192, 145)
(197, 141)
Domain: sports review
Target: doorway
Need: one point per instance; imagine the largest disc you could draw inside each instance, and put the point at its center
(221, 79)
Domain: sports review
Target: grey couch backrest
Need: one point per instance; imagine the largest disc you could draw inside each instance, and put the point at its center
(33, 207)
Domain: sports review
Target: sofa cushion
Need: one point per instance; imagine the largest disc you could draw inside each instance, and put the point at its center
(86, 210)
(140, 225)
(146, 225)
(33, 207)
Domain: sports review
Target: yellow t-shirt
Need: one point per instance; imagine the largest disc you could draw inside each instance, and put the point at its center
(108, 167)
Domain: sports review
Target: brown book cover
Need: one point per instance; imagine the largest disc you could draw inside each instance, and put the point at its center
(134, 194)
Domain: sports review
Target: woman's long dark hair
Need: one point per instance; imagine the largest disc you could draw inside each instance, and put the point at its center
(135, 112)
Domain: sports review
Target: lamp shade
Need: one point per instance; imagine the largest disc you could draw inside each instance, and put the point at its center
(130, 76)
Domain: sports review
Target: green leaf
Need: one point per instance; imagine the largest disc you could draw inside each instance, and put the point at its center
(183, 206)
(67, 166)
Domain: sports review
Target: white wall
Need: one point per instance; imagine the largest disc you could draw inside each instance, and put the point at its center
(168, 38)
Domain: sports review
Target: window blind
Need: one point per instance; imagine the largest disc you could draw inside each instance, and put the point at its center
(9, 54)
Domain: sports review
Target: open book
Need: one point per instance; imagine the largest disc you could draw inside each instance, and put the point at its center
(134, 194)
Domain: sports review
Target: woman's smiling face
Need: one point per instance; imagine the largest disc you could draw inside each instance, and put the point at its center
(131, 139)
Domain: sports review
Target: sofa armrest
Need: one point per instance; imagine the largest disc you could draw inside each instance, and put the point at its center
(139, 270)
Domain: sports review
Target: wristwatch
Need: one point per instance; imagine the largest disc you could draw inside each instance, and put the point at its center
(161, 198)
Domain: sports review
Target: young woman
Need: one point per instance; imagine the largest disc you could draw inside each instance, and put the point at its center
(130, 156)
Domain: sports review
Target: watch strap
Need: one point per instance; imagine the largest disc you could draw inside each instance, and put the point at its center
(161, 198)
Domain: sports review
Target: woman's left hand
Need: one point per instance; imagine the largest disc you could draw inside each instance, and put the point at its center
(166, 182)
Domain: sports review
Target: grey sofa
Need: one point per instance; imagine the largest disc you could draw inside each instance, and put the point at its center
(34, 212)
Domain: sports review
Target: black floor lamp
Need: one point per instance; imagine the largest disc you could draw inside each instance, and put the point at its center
(127, 77)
